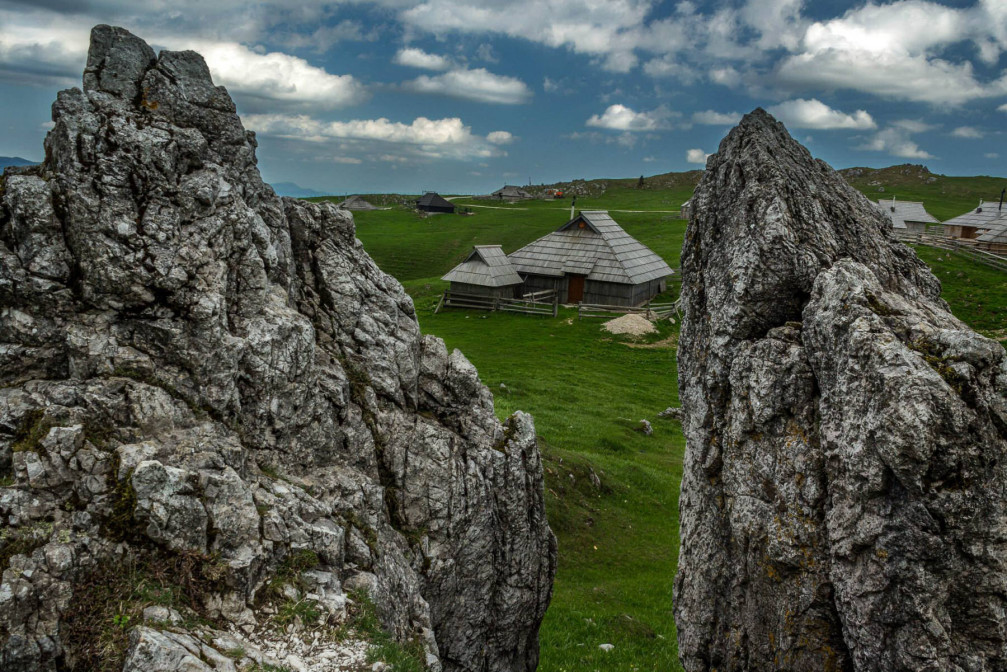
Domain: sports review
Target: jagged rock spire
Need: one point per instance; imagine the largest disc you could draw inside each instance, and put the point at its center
(843, 497)
(193, 367)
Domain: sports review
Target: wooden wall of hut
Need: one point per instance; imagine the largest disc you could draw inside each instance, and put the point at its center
(963, 232)
(480, 290)
(602, 293)
(618, 294)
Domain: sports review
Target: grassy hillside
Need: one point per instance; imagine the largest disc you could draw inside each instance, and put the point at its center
(944, 197)
(612, 493)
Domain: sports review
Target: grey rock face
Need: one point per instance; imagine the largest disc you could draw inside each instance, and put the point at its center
(194, 365)
(843, 501)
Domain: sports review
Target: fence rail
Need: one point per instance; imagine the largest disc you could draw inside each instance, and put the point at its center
(652, 311)
(545, 302)
(966, 249)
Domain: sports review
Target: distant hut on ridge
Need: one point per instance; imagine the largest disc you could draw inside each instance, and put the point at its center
(510, 193)
(685, 211)
(355, 203)
(433, 202)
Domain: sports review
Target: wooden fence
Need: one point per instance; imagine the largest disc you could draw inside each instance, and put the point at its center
(961, 248)
(545, 302)
(652, 311)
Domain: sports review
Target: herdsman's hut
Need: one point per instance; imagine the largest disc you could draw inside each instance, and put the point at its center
(974, 222)
(591, 259)
(487, 272)
(355, 203)
(510, 193)
(995, 238)
(907, 216)
(431, 202)
(686, 210)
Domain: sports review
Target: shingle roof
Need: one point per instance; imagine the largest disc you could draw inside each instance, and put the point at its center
(997, 229)
(980, 217)
(355, 203)
(600, 249)
(431, 198)
(510, 191)
(488, 266)
(901, 212)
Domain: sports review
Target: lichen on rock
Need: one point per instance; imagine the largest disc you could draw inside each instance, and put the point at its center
(201, 368)
(843, 495)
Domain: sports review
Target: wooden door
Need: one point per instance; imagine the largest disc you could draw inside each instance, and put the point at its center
(575, 289)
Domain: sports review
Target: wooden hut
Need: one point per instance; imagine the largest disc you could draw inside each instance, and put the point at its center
(974, 222)
(908, 217)
(486, 272)
(510, 193)
(591, 259)
(685, 211)
(995, 238)
(355, 203)
(432, 202)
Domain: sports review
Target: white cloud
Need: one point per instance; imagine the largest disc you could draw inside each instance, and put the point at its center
(991, 155)
(348, 160)
(478, 84)
(670, 66)
(914, 125)
(277, 77)
(433, 138)
(621, 118)
(778, 22)
(323, 38)
(500, 137)
(593, 27)
(1002, 108)
(813, 113)
(51, 53)
(726, 76)
(649, 159)
(967, 132)
(892, 51)
(485, 53)
(696, 156)
(712, 118)
(417, 58)
(620, 61)
(896, 142)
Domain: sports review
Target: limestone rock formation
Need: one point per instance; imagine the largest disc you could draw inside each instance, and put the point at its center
(843, 504)
(201, 376)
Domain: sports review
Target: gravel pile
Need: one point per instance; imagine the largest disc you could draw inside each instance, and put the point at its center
(637, 325)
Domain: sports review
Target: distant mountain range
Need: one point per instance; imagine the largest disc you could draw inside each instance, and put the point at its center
(295, 190)
(14, 161)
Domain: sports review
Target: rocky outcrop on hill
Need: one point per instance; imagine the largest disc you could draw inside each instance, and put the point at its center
(213, 391)
(843, 505)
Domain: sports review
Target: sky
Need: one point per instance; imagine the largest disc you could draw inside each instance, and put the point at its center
(464, 96)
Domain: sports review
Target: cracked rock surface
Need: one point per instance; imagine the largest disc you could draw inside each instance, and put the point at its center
(194, 367)
(843, 502)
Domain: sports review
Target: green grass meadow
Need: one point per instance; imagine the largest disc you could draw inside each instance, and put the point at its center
(612, 492)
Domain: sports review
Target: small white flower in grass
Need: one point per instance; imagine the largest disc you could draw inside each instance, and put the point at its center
(606, 647)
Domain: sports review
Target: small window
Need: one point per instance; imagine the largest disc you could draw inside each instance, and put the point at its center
(581, 225)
